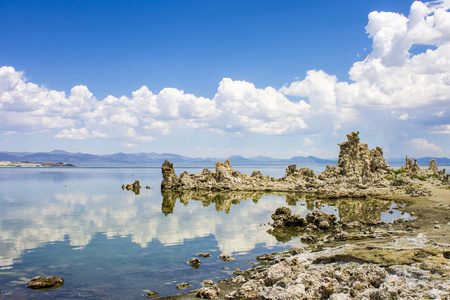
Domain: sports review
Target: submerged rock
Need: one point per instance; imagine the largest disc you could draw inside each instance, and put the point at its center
(208, 283)
(152, 294)
(194, 262)
(321, 219)
(309, 238)
(135, 187)
(225, 257)
(317, 219)
(183, 285)
(39, 282)
(206, 254)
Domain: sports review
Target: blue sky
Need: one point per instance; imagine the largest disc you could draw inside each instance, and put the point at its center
(217, 78)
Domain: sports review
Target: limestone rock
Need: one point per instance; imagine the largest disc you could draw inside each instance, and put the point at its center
(225, 257)
(432, 166)
(347, 272)
(357, 162)
(170, 178)
(361, 172)
(152, 294)
(183, 285)
(238, 279)
(208, 283)
(208, 292)
(194, 262)
(283, 217)
(135, 187)
(39, 282)
(321, 219)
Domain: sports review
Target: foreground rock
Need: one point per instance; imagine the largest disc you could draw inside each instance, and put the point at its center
(39, 282)
(349, 272)
(208, 292)
(360, 172)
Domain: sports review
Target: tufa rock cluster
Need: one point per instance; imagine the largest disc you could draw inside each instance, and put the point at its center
(360, 172)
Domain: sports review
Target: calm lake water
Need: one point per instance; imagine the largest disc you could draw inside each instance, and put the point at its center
(77, 223)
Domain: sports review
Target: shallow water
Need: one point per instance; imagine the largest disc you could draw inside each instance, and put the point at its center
(78, 223)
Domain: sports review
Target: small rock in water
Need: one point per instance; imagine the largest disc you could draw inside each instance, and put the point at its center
(152, 294)
(309, 238)
(206, 254)
(183, 285)
(225, 257)
(43, 283)
(135, 187)
(446, 254)
(208, 283)
(194, 262)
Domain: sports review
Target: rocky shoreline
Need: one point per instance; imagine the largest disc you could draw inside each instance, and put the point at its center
(363, 259)
(369, 260)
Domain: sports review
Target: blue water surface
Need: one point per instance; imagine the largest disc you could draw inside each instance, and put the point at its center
(109, 243)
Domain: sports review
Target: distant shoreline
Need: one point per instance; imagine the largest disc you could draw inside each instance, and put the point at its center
(9, 164)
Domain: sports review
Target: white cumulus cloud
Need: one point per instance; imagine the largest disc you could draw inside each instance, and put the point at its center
(387, 87)
(422, 147)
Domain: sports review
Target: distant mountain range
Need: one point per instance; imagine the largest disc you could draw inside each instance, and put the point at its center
(156, 159)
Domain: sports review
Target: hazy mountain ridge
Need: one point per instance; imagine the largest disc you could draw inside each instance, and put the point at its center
(153, 159)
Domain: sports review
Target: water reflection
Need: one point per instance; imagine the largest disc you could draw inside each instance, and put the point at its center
(78, 217)
(224, 200)
(349, 210)
(237, 220)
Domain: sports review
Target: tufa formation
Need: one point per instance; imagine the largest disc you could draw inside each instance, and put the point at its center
(360, 172)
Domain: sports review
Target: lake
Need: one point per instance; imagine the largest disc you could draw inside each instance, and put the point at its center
(109, 243)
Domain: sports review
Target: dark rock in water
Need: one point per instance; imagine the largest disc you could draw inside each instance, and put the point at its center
(183, 285)
(446, 254)
(309, 238)
(208, 292)
(208, 283)
(206, 254)
(194, 262)
(135, 187)
(315, 220)
(225, 257)
(280, 211)
(44, 283)
(284, 217)
(152, 294)
(321, 219)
